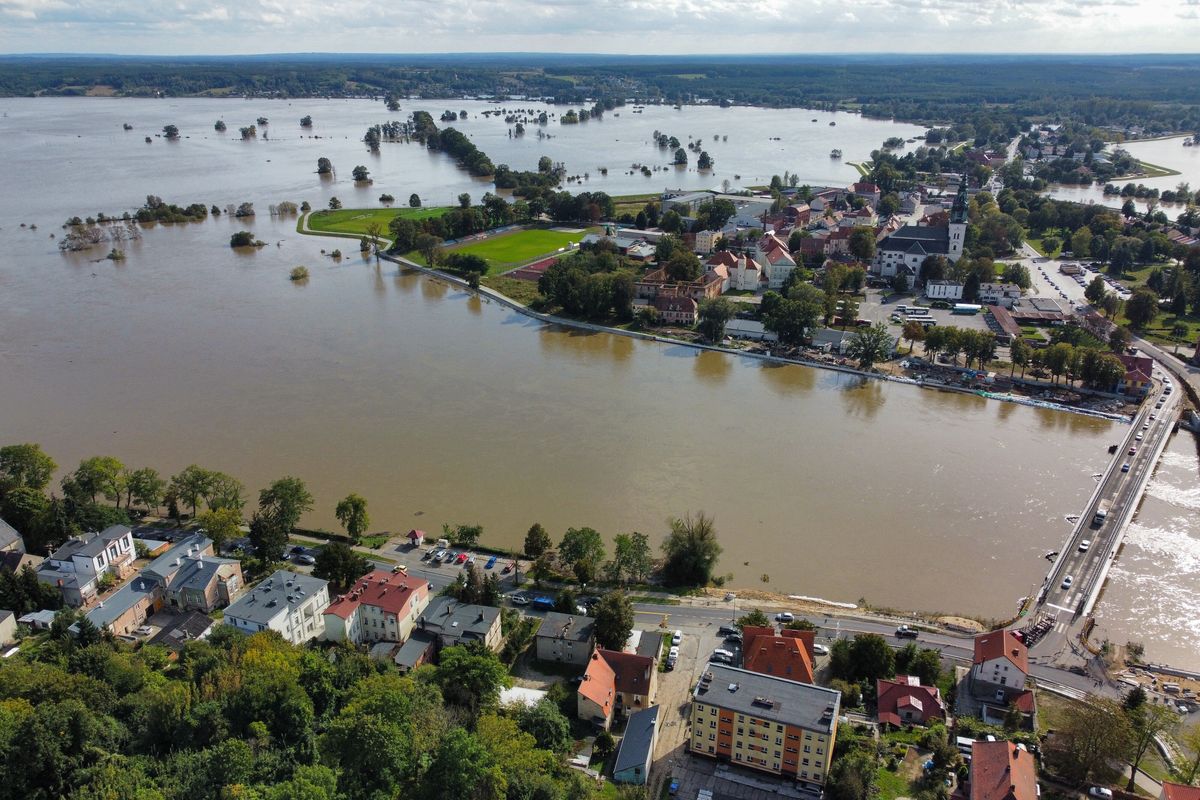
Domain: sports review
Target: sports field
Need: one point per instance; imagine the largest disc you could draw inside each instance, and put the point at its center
(510, 250)
(354, 221)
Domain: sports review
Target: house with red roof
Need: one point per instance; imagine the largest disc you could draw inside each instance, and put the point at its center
(1138, 372)
(768, 653)
(1002, 771)
(380, 607)
(867, 191)
(615, 683)
(772, 252)
(904, 701)
(1000, 665)
(416, 537)
(676, 309)
(1178, 791)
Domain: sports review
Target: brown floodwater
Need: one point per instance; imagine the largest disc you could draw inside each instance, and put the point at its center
(441, 408)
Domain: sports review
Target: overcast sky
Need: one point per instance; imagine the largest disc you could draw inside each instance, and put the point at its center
(601, 26)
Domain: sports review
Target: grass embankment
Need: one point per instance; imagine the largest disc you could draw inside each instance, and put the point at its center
(864, 168)
(524, 292)
(354, 221)
(1036, 244)
(1147, 170)
(633, 203)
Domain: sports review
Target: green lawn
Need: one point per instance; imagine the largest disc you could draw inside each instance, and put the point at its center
(524, 292)
(1036, 244)
(354, 221)
(509, 250)
(1160, 331)
(890, 785)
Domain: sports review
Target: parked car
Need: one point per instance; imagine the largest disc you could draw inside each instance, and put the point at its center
(430, 553)
(905, 632)
(725, 630)
(674, 786)
(673, 652)
(677, 637)
(730, 596)
(439, 556)
(520, 599)
(145, 630)
(297, 550)
(306, 560)
(735, 637)
(721, 657)
(1067, 581)
(820, 650)
(785, 616)
(491, 562)
(1101, 792)
(542, 601)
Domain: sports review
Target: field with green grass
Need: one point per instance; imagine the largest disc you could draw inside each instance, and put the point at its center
(509, 250)
(524, 292)
(354, 221)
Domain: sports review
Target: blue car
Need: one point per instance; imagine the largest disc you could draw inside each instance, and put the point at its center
(491, 562)
(542, 601)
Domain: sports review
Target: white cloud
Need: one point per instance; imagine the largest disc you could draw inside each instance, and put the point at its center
(605, 26)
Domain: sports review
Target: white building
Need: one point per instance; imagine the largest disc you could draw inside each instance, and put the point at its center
(380, 606)
(999, 294)
(904, 251)
(77, 567)
(746, 276)
(772, 252)
(287, 602)
(944, 290)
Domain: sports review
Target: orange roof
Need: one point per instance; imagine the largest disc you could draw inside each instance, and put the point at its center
(1002, 771)
(1177, 791)
(599, 682)
(808, 638)
(907, 691)
(723, 257)
(1001, 644)
(390, 591)
(781, 656)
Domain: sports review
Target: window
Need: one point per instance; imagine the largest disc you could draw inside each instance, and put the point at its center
(791, 749)
(807, 749)
(700, 708)
(820, 751)
(712, 711)
(712, 737)
(739, 744)
(778, 740)
(806, 762)
(712, 724)
(741, 731)
(741, 718)
(737, 756)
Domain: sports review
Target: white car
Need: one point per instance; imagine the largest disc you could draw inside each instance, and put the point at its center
(820, 650)
(1084, 545)
(145, 630)
(785, 616)
(1067, 581)
(1101, 792)
(677, 637)
(673, 652)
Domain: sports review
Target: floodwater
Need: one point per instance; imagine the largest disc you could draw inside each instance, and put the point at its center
(1169, 153)
(440, 408)
(1153, 590)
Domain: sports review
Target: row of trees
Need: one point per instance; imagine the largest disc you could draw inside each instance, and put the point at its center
(690, 551)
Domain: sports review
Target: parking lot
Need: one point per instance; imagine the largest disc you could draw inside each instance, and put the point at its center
(875, 309)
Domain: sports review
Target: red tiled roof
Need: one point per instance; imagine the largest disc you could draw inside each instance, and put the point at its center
(1002, 771)
(1001, 644)
(905, 691)
(807, 638)
(676, 304)
(723, 257)
(1024, 701)
(390, 591)
(1177, 791)
(782, 656)
(1137, 368)
(599, 682)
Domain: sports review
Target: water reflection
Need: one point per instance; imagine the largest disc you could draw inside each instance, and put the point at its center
(862, 397)
(787, 379)
(474, 304)
(713, 367)
(433, 289)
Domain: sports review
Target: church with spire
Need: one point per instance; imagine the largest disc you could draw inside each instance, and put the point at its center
(903, 252)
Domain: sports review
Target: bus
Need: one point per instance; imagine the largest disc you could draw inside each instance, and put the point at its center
(966, 308)
(917, 312)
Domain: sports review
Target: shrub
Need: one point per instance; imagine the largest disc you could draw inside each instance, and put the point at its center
(299, 274)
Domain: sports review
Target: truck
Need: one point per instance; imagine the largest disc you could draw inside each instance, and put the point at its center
(1101, 514)
(966, 308)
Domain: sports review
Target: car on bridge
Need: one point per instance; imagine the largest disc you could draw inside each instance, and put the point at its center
(905, 632)
(1067, 581)
(1084, 545)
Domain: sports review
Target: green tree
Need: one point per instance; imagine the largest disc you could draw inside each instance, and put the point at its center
(913, 331)
(549, 728)
(683, 266)
(1091, 737)
(464, 535)
(537, 541)
(1191, 740)
(1096, 290)
(145, 486)
(26, 510)
(414, 200)
(334, 204)
(691, 550)
(1179, 332)
(927, 666)
(269, 535)
(862, 243)
(631, 557)
(614, 620)
(192, 485)
(341, 565)
(1146, 722)
(714, 314)
(680, 156)
(360, 173)
(755, 619)
(99, 475)
(852, 777)
(1119, 339)
(351, 512)
(222, 525)
(286, 499)
(1018, 353)
(324, 166)
(581, 544)
(1141, 309)
(24, 466)
(471, 677)
(429, 246)
(870, 658)
(871, 345)
(1081, 242)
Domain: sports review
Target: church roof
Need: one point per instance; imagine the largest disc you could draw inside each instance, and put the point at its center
(916, 239)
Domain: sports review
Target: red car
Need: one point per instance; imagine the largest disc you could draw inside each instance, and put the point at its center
(462, 558)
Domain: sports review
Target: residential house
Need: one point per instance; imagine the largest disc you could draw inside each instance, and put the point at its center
(830, 340)
(769, 653)
(615, 683)
(10, 540)
(452, 623)
(566, 638)
(684, 204)
(416, 538)
(190, 577)
(636, 752)
(184, 628)
(12, 551)
(289, 603)
(944, 290)
(81, 563)
(676, 310)
(765, 722)
(126, 610)
(1000, 665)
(1178, 791)
(648, 644)
(8, 627)
(867, 191)
(771, 252)
(904, 701)
(1137, 378)
(707, 241)
(38, 620)
(1002, 771)
(747, 275)
(381, 606)
(999, 294)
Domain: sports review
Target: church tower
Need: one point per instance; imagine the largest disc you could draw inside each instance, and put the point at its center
(958, 223)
